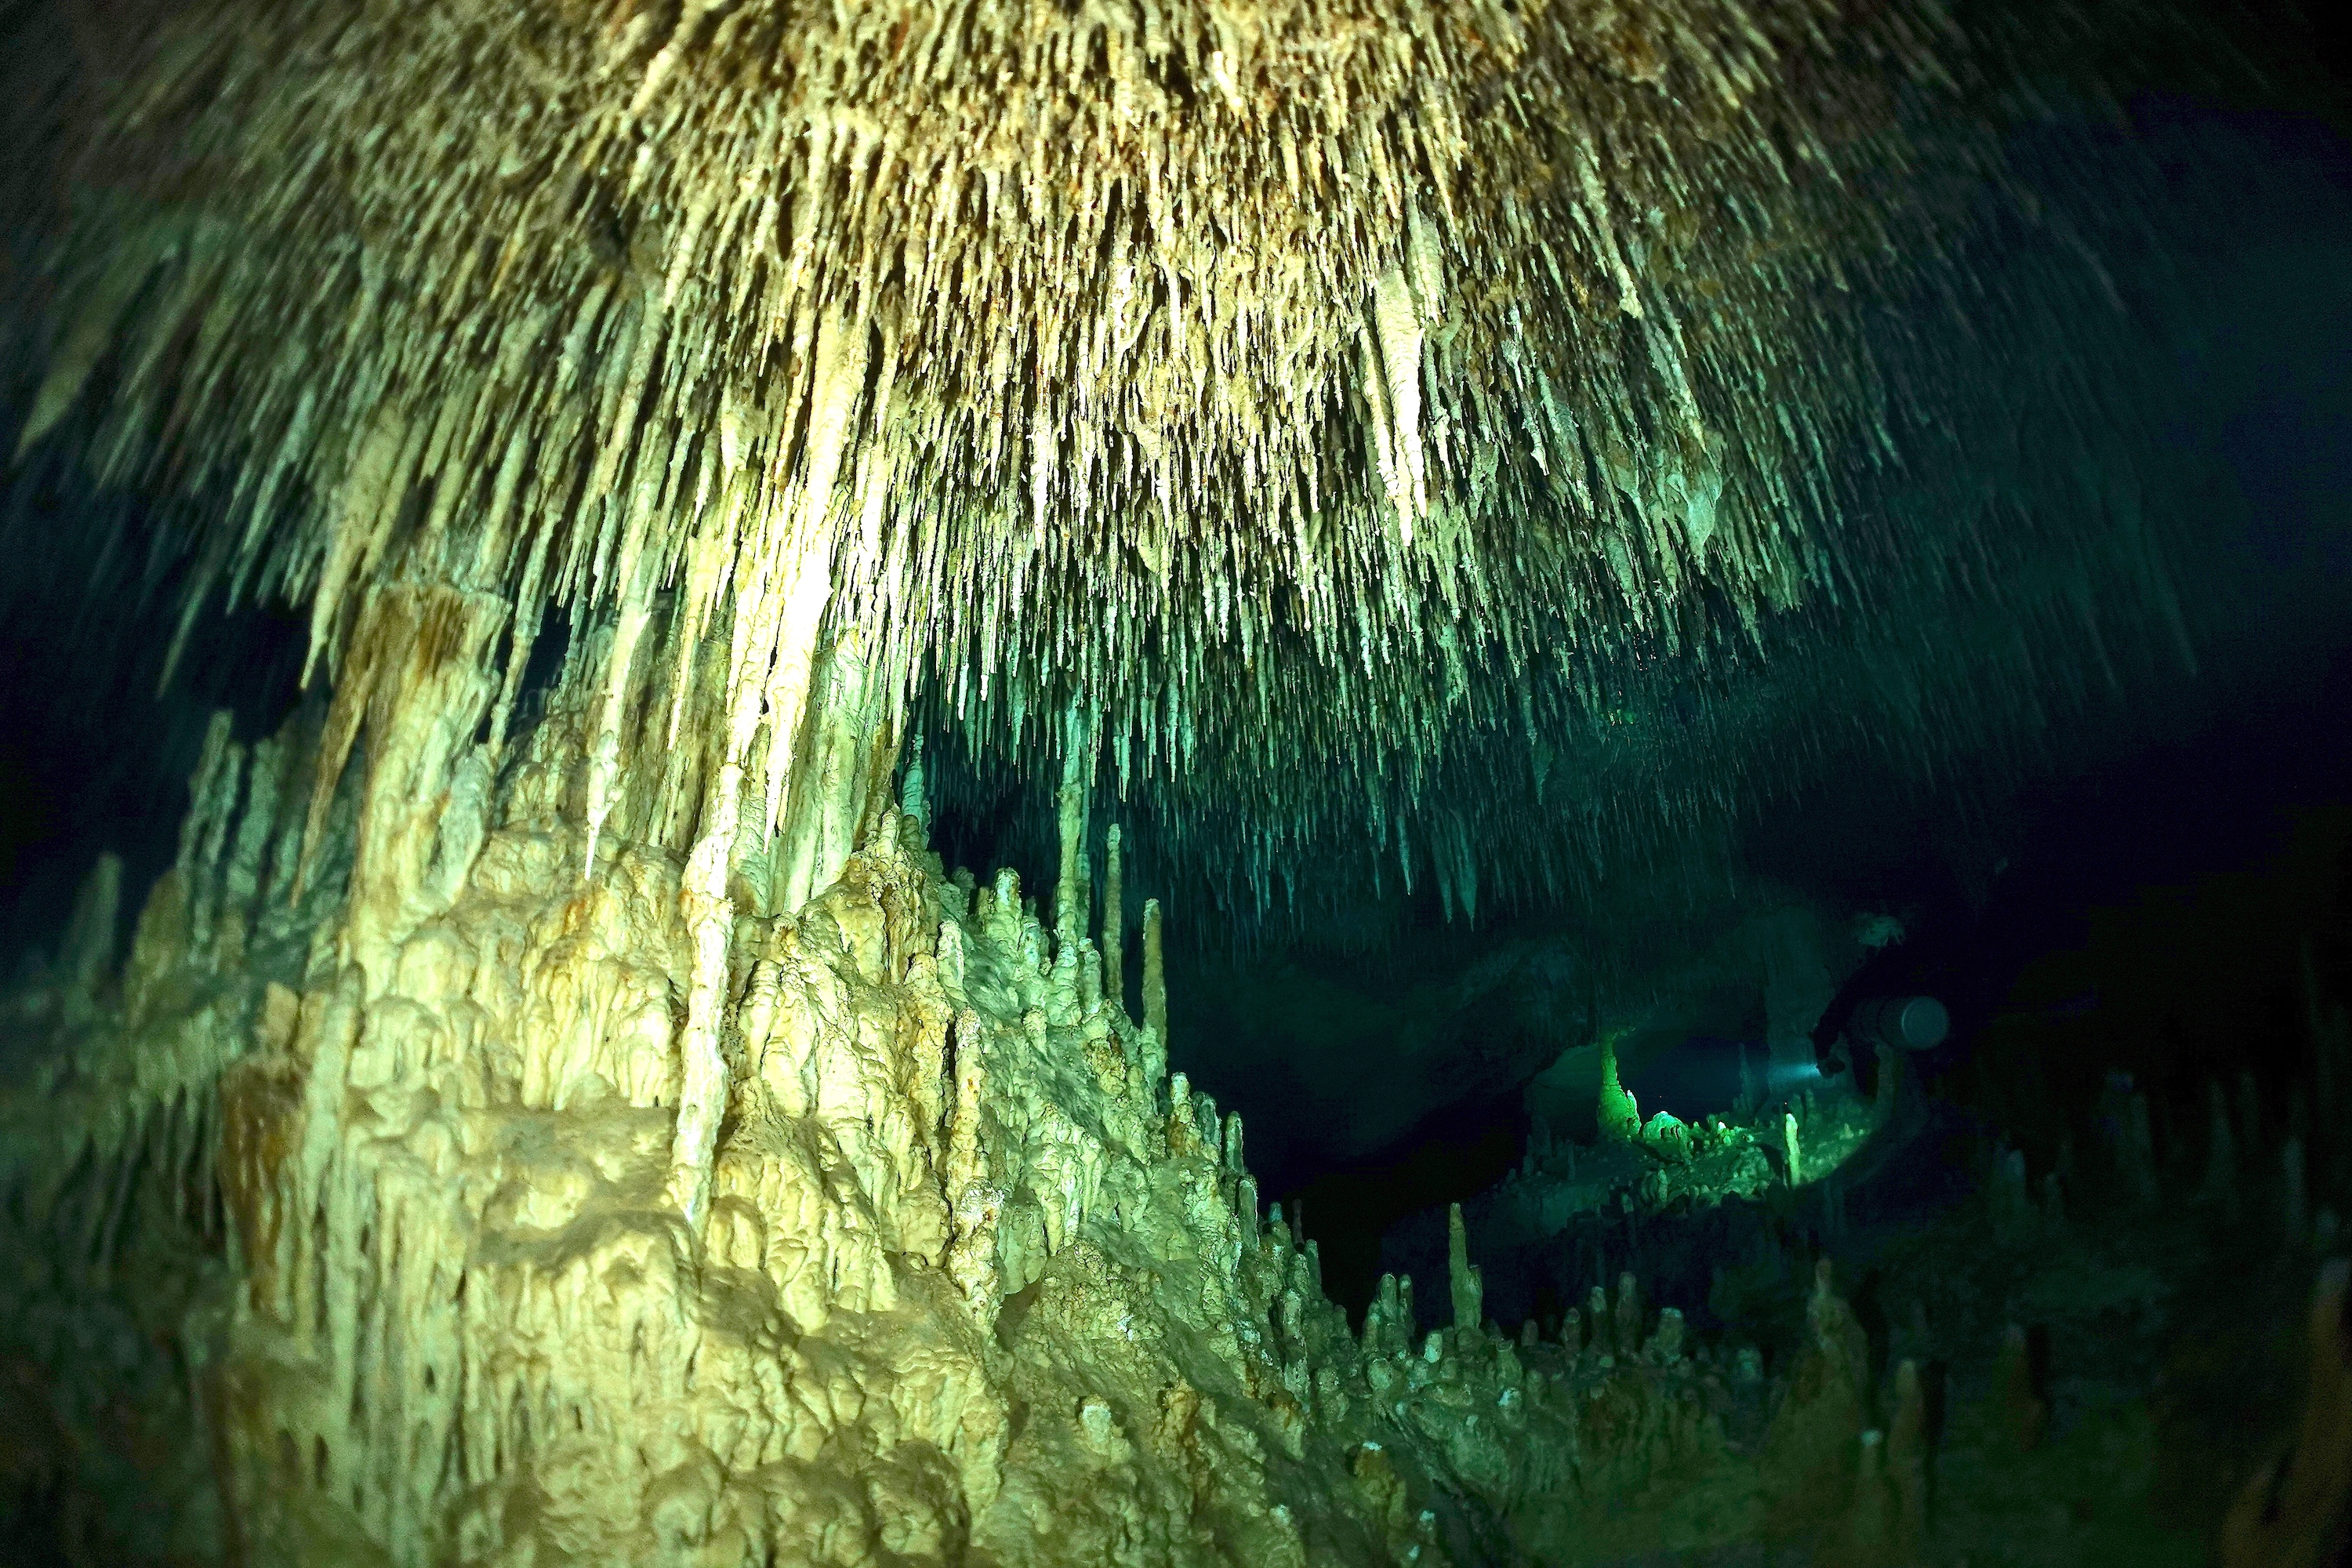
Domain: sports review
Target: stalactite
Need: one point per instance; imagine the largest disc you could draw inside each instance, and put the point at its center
(705, 345)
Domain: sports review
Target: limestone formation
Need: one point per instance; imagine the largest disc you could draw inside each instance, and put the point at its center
(379, 1124)
(1619, 1114)
(571, 1115)
(1335, 427)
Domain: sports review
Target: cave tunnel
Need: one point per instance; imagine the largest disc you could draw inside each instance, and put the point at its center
(1222, 781)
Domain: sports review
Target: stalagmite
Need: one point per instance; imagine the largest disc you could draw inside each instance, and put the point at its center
(1155, 987)
(1870, 1525)
(2010, 1195)
(1626, 1316)
(1666, 1346)
(1463, 1278)
(1908, 1445)
(1620, 1114)
(1114, 922)
(2220, 1186)
(2022, 1411)
(1070, 914)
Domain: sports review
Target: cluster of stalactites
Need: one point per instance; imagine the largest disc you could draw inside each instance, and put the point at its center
(2013, 575)
(1663, 780)
(2003, 564)
(1246, 373)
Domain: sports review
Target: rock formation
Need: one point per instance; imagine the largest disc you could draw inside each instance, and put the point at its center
(570, 1115)
(373, 1175)
(1351, 434)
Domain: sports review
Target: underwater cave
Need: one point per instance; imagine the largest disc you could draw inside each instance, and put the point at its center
(1173, 783)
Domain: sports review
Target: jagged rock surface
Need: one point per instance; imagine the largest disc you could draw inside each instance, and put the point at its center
(388, 1174)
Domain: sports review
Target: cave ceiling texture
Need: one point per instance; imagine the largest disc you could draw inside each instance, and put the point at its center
(562, 566)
